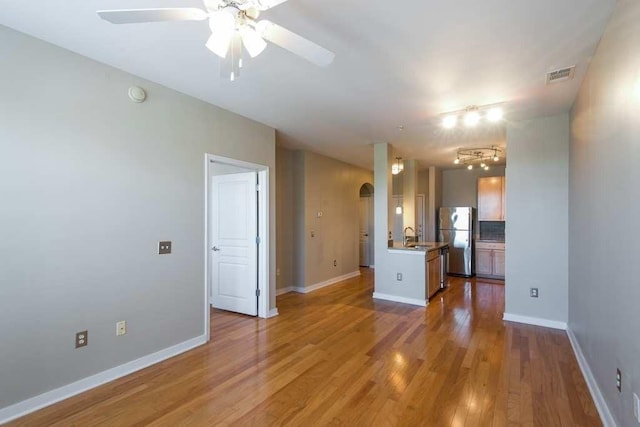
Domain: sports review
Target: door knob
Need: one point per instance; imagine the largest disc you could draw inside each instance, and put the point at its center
(215, 249)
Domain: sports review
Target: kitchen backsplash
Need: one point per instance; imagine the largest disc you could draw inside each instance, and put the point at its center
(492, 230)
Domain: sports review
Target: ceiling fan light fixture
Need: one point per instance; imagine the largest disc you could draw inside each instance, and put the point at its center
(252, 41)
(218, 45)
(223, 26)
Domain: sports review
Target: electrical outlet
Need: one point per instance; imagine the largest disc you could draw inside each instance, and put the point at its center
(636, 407)
(277, 271)
(533, 292)
(82, 339)
(335, 263)
(619, 380)
(164, 248)
(399, 277)
(121, 327)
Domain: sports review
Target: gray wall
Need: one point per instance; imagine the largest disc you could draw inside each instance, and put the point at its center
(389, 263)
(537, 223)
(318, 184)
(434, 202)
(605, 150)
(460, 186)
(89, 183)
(284, 218)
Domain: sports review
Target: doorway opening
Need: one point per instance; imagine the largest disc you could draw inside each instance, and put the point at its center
(366, 226)
(236, 237)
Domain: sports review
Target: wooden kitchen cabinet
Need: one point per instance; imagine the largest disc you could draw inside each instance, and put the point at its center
(491, 198)
(490, 260)
(484, 262)
(433, 272)
(498, 263)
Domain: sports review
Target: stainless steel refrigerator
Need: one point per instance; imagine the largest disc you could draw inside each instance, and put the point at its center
(455, 226)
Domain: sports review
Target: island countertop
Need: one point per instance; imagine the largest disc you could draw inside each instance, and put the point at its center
(419, 248)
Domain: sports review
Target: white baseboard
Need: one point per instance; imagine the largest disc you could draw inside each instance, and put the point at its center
(272, 313)
(394, 298)
(333, 281)
(25, 407)
(536, 321)
(285, 290)
(596, 394)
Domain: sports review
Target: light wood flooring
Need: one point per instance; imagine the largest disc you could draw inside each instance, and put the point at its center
(338, 357)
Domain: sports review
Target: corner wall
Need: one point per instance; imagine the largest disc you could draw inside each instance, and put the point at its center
(323, 185)
(89, 183)
(537, 223)
(604, 289)
(284, 218)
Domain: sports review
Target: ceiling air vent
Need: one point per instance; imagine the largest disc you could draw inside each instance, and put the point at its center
(561, 75)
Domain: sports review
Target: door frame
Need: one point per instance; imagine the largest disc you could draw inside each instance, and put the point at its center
(263, 231)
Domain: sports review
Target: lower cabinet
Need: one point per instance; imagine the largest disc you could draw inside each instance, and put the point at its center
(490, 260)
(433, 272)
(498, 263)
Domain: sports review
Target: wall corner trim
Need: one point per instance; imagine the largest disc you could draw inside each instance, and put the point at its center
(286, 290)
(48, 398)
(332, 281)
(403, 300)
(601, 404)
(272, 313)
(536, 321)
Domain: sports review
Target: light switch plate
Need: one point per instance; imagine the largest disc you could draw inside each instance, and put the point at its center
(121, 328)
(164, 248)
(636, 407)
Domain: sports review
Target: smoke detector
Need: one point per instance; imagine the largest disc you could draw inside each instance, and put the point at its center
(561, 75)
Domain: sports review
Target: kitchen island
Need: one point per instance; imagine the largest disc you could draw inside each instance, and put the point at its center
(416, 273)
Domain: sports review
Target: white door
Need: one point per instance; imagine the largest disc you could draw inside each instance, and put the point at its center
(366, 231)
(234, 230)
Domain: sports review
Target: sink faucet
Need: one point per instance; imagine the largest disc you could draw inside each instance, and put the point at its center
(405, 237)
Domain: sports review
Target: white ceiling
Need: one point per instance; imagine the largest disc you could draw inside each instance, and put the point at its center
(397, 63)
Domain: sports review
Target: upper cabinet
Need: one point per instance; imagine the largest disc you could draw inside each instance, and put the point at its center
(491, 199)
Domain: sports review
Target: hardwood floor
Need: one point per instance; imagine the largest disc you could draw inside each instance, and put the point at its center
(338, 357)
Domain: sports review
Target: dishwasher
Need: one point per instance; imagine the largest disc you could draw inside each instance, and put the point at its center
(444, 266)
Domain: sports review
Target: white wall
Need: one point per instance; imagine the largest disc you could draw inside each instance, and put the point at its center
(89, 183)
(604, 290)
(537, 225)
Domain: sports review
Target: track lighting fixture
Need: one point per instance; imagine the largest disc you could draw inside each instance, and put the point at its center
(479, 156)
(472, 116)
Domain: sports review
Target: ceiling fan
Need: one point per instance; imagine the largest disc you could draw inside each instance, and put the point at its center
(233, 25)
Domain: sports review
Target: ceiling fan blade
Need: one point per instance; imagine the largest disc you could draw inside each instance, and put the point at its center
(267, 4)
(213, 5)
(294, 43)
(134, 16)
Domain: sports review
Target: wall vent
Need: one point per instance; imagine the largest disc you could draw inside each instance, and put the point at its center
(561, 75)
